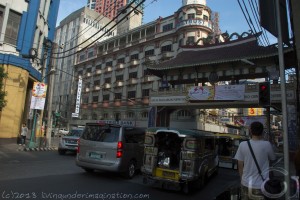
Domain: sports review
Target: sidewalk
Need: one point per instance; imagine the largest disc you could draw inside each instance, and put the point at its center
(11, 144)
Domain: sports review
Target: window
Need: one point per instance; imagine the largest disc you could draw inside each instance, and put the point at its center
(101, 133)
(191, 16)
(88, 70)
(85, 100)
(82, 57)
(205, 17)
(149, 53)
(145, 114)
(134, 135)
(106, 97)
(121, 60)
(2, 9)
(98, 66)
(94, 116)
(97, 83)
(166, 48)
(134, 57)
(12, 28)
(119, 78)
(190, 40)
(90, 54)
(133, 75)
(131, 94)
(145, 92)
(183, 113)
(130, 115)
(118, 96)
(167, 27)
(117, 116)
(105, 115)
(95, 98)
(109, 64)
(107, 80)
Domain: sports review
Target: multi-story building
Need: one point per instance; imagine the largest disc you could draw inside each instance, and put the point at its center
(78, 30)
(110, 8)
(27, 31)
(116, 83)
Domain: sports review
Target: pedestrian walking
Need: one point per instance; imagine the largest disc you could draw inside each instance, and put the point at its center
(251, 179)
(24, 132)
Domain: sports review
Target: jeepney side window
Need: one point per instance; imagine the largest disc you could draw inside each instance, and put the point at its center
(149, 140)
(209, 144)
(192, 144)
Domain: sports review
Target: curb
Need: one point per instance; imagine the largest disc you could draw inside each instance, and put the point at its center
(37, 149)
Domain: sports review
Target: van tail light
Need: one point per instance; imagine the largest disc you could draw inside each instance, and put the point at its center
(78, 145)
(119, 149)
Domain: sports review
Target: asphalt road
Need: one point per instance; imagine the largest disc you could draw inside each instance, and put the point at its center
(47, 175)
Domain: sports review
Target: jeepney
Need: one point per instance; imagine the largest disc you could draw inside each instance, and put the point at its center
(227, 145)
(179, 159)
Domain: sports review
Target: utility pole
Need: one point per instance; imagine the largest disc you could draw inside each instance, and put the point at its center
(283, 100)
(50, 98)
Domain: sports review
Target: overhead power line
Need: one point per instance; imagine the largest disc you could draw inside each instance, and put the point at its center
(128, 6)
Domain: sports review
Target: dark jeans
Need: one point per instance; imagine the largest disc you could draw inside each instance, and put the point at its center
(23, 139)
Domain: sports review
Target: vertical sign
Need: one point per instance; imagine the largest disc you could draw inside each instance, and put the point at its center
(38, 97)
(76, 114)
(152, 117)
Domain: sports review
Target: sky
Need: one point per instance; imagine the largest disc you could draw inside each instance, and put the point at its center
(231, 18)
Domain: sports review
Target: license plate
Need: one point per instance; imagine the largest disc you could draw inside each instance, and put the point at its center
(95, 155)
(168, 174)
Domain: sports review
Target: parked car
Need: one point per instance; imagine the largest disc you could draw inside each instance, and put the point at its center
(69, 142)
(111, 147)
(63, 131)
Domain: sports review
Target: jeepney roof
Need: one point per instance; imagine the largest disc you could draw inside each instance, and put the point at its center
(181, 132)
(231, 136)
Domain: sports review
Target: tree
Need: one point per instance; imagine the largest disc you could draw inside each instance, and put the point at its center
(3, 75)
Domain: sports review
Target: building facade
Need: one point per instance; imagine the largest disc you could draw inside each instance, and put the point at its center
(110, 8)
(77, 31)
(116, 82)
(27, 29)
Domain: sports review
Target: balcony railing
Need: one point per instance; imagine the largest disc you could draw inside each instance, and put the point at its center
(108, 69)
(120, 66)
(107, 85)
(148, 79)
(98, 71)
(119, 83)
(97, 87)
(134, 62)
(132, 81)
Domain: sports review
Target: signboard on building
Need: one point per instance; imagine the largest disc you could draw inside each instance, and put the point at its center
(219, 92)
(78, 97)
(255, 111)
(38, 97)
(163, 100)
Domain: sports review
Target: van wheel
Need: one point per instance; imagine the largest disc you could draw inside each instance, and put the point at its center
(129, 174)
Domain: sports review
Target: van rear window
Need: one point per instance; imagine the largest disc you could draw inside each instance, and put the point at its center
(101, 133)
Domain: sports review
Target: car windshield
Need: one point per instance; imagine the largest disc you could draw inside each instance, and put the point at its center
(77, 132)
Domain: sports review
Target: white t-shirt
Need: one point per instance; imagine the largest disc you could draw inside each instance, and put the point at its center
(24, 131)
(263, 152)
